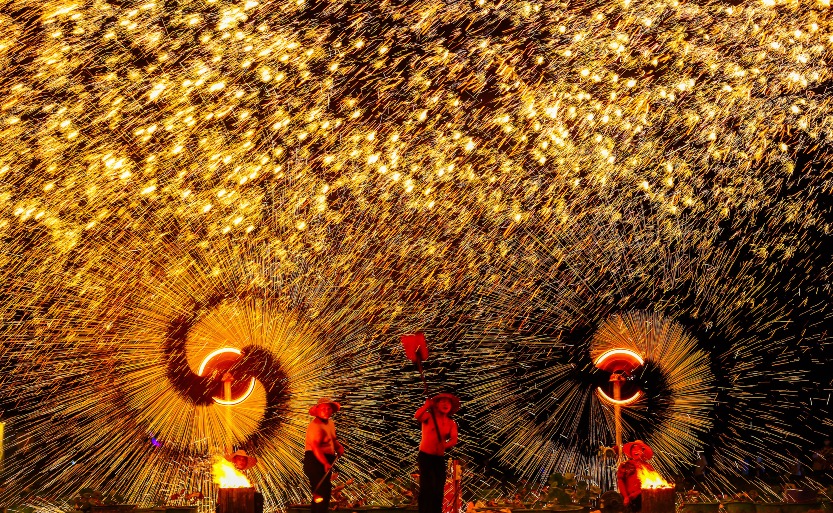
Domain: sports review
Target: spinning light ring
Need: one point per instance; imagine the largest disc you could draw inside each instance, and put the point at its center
(214, 354)
(619, 359)
(613, 356)
(620, 402)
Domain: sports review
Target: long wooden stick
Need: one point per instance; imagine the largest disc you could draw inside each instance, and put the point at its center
(323, 478)
(617, 418)
(455, 478)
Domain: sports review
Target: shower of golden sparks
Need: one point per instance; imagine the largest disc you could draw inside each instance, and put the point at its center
(554, 307)
(685, 377)
(306, 180)
(139, 406)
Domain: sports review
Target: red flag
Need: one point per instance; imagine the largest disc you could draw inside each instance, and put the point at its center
(415, 346)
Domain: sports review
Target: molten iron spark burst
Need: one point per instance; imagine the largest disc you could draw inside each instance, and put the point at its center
(305, 181)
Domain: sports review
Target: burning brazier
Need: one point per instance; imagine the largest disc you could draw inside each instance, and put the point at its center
(658, 500)
(236, 495)
(657, 494)
(239, 500)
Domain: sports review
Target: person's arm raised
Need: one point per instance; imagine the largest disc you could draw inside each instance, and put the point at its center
(423, 412)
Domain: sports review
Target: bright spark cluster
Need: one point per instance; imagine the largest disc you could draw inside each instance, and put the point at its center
(504, 175)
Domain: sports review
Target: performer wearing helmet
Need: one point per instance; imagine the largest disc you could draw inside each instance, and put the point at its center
(439, 433)
(320, 449)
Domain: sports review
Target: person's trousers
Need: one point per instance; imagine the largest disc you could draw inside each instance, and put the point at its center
(431, 482)
(314, 471)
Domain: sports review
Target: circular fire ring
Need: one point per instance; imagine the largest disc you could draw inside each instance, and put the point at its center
(623, 361)
(220, 361)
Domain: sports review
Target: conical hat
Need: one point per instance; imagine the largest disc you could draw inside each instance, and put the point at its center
(647, 452)
(251, 461)
(324, 400)
(455, 401)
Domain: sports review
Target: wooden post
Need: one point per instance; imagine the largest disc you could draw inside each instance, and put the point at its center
(617, 379)
(239, 500)
(658, 500)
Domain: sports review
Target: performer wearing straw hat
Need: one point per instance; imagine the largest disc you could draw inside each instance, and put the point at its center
(321, 448)
(439, 433)
(627, 475)
(241, 460)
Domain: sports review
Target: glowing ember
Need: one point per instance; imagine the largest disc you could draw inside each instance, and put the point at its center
(227, 476)
(651, 479)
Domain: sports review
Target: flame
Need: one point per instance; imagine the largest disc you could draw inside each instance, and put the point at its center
(651, 479)
(227, 476)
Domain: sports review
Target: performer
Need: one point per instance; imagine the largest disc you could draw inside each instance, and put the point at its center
(439, 433)
(320, 449)
(630, 485)
(241, 460)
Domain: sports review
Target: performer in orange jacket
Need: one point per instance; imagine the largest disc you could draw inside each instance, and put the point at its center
(630, 485)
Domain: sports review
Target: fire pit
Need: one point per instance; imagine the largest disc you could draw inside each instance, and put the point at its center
(658, 500)
(239, 500)
(657, 494)
(236, 494)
